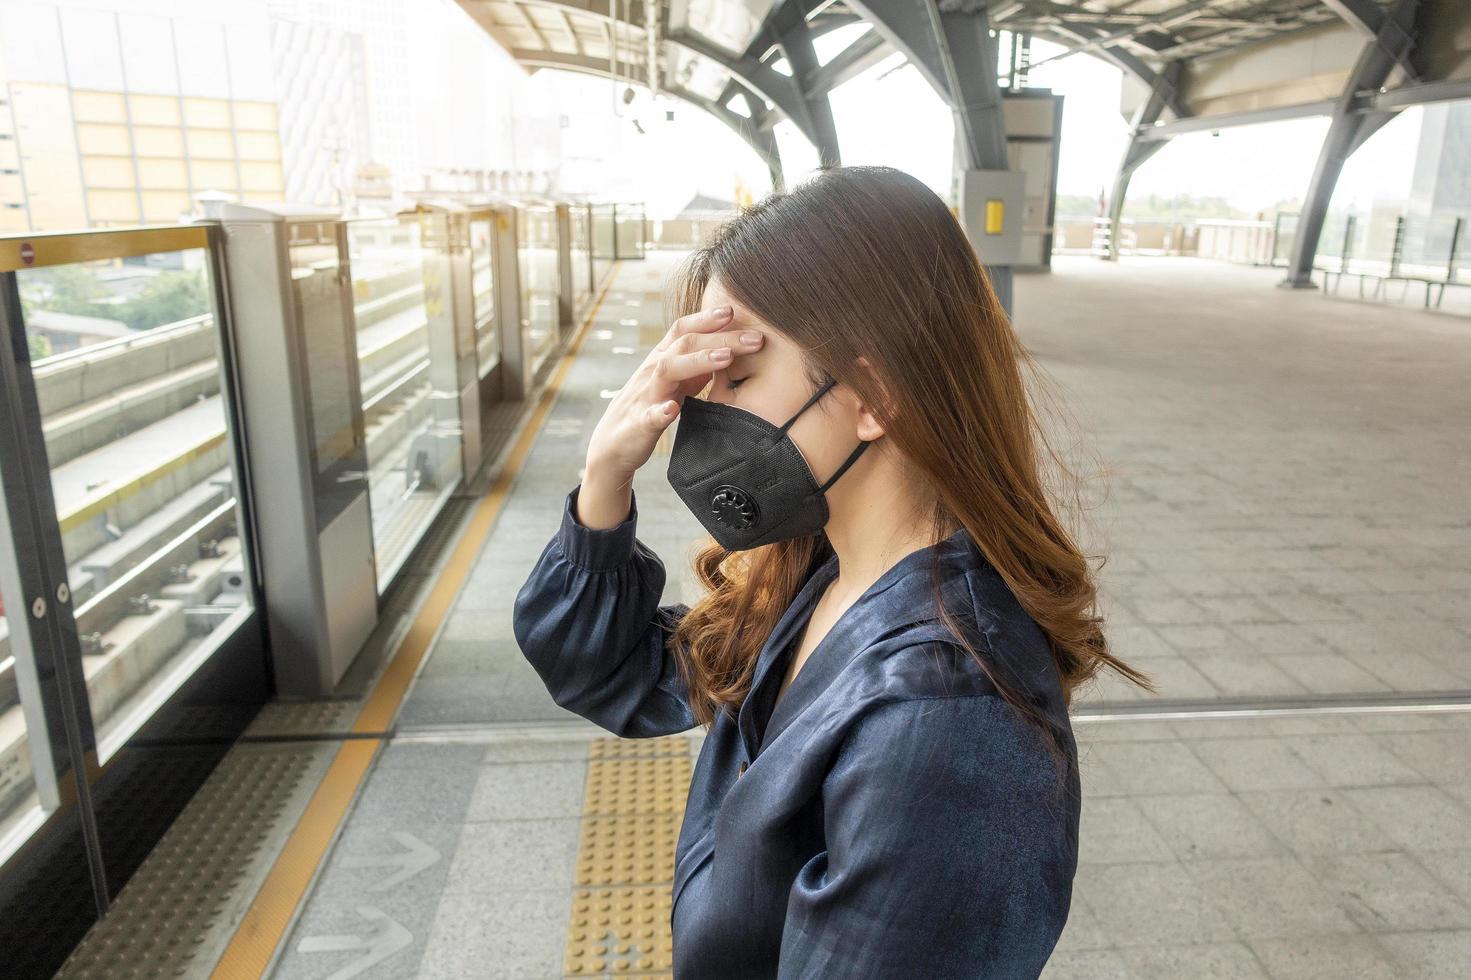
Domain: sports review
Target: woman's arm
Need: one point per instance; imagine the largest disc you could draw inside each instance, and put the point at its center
(588, 619)
(948, 853)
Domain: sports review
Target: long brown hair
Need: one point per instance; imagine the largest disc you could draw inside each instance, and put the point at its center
(867, 260)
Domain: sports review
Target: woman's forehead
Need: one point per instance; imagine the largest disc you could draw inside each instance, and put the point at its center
(740, 316)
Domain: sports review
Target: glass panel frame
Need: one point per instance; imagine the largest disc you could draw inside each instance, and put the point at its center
(484, 281)
(113, 806)
(147, 496)
(410, 402)
(536, 247)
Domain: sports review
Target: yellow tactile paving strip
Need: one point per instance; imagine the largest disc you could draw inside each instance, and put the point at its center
(633, 804)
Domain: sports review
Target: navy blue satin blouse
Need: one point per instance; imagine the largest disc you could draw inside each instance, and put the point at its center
(893, 817)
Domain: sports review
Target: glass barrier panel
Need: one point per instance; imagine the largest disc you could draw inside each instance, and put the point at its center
(1426, 250)
(412, 452)
(482, 278)
(581, 249)
(630, 235)
(602, 242)
(21, 809)
(1335, 236)
(537, 236)
(1283, 241)
(125, 354)
(1372, 243)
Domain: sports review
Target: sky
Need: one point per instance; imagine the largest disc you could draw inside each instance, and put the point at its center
(890, 115)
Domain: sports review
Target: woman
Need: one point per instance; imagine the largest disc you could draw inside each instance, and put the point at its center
(899, 643)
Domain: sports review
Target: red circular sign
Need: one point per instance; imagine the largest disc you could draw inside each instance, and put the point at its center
(27, 253)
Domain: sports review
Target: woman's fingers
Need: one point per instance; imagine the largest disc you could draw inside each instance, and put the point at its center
(696, 346)
(701, 321)
(698, 354)
(658, 416)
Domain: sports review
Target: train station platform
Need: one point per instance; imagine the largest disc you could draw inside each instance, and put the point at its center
(1285, 521)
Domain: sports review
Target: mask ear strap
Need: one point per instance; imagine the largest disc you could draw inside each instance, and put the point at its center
(852, 458)
(816, 395)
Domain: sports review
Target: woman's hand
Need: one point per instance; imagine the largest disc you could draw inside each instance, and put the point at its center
(696, 346)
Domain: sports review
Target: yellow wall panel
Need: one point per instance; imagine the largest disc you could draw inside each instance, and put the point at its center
(108, 172)
(158, 141)
(210, 144)
(165, 206)
(103, 139)
(258, 146)
(260, 197)
(262, 177)
(213, 175)
(256, 115)
(114, 206)
(165, 174)
(102, 107)
(209, 113)
(154, 110)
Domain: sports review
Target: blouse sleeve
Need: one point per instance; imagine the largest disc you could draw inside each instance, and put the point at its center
(949, 851)
(588, 620)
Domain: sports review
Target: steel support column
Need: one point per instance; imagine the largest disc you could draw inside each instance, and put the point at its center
(789, 24)
(1391, 44)
(1163, 92)
(950, 43)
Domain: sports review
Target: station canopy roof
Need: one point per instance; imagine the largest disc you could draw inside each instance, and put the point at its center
(726, 55)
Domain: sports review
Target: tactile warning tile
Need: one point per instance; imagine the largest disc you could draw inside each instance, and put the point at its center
(639, 748)
(627, 848)
(632, 807)
(297, 718)
(620, 932)
(179, 909)
(648, 784)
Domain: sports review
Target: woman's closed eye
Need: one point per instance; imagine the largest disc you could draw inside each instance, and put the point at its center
(731, 384)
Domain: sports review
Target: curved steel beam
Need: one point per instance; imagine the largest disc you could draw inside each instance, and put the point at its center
(1125, 61)
(1393, 43)
(1139, 149)
(758, 78)
(761, 141)
(788, 24)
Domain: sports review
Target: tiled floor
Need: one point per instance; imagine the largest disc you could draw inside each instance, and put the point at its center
(1310, 846)
(1286, 518)
(1288, 510)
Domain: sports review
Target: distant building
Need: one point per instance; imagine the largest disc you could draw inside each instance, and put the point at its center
(1441, 184)
(704, 203)
(113, 116)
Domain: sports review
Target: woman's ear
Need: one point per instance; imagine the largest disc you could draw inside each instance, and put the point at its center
(869, 426)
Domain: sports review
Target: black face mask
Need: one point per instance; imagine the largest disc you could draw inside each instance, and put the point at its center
(744, 477)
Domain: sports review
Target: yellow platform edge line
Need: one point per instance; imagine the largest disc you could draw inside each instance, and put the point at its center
(261, 930)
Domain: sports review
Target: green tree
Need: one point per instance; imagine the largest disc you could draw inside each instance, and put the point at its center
(168, 298)
(63, 289)
(40, 346)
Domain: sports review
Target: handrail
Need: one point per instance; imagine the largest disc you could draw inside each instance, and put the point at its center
(150, 335)
(33, 251)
